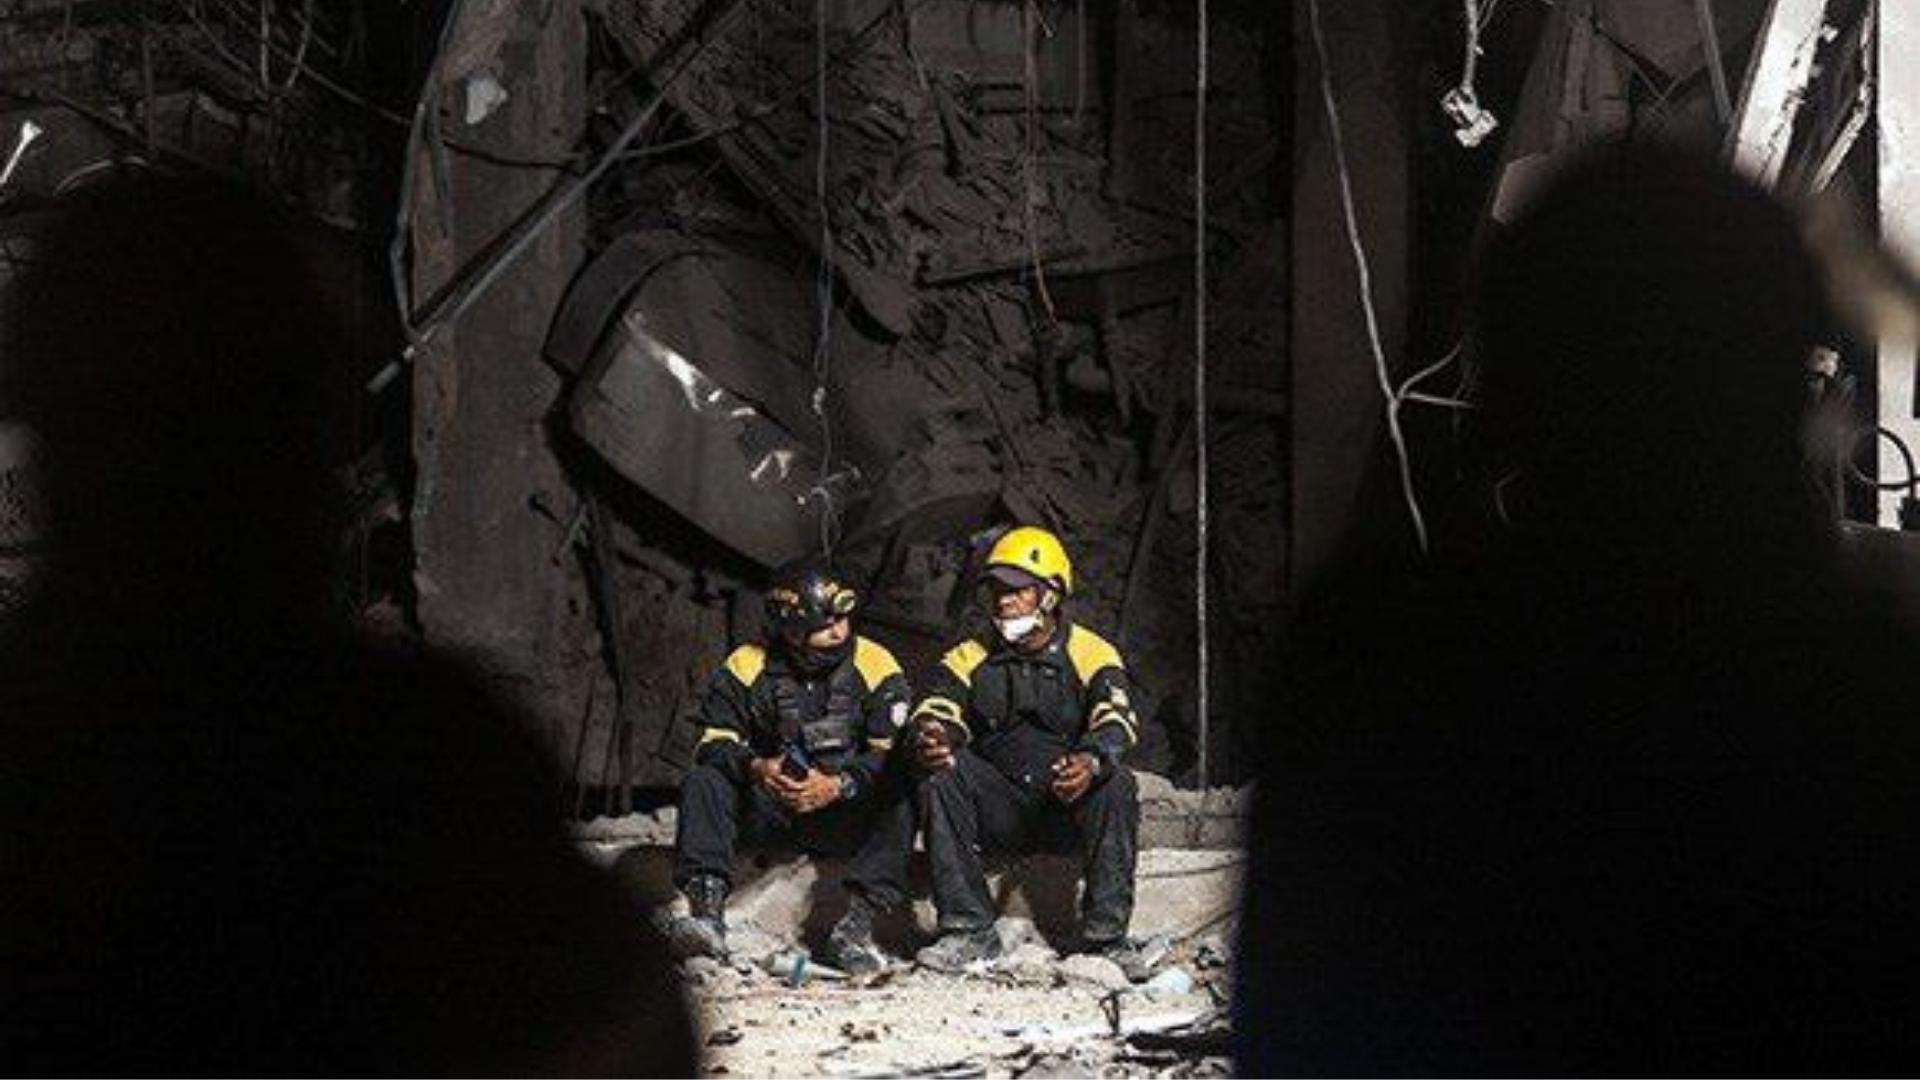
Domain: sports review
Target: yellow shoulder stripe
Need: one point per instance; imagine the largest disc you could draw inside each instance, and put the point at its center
(1090, 653)
(875, 664)
(746, 663)
(963, 658)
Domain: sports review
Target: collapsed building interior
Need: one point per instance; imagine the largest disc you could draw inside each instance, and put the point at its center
(652, 296)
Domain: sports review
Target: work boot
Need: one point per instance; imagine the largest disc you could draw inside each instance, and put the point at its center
(704, 931)
(958, 948)
(850, 947)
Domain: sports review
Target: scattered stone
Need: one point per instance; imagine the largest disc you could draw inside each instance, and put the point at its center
(1173, 982)
(1030, 964)
(747, 942)
(1014, 932)
(700, 970)
(1045, 1065)
(1095, 970)
(1153, 950)
(726, 1036)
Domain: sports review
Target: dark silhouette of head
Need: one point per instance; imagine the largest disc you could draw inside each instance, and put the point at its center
(169, 349)
(1627, 789)
(1644, 329)
(234, 839)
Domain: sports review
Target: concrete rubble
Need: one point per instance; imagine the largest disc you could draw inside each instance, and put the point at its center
(1039, 1009)
(1170, 817)
(1095, 971)
(766, 1012)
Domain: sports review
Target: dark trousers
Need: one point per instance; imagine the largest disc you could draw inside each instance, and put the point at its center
(973, 807)
(719, 816)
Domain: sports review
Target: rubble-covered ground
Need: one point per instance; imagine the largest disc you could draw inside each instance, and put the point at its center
(770, 1012)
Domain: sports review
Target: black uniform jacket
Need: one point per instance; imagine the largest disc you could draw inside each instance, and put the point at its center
(841, 720)
(1023, 713)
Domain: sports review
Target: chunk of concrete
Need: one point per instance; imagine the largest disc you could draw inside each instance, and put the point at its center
(747, 942)
(1014, 932)
(1030, 964)
(1096, 971)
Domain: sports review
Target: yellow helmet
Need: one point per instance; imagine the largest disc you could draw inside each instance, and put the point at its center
(1032, 554)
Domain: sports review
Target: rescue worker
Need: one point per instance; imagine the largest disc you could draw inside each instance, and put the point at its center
(797, 733)
(1019, 741)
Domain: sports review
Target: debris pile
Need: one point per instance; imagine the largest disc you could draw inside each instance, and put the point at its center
(769, 1012)
(1004, 332)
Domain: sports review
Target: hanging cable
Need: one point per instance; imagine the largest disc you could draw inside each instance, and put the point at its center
(1407, 392)
(266, 46)
(1716, 67)
(1200, 391)
(1470, 67)
(397, 269)
(1910, 484)
(1032, 25)
(823, 287)
(1471, 122)
(300, 52)
(473, 281)
(1365, 281)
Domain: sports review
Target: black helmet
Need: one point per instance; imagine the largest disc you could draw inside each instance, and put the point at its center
(808, 596)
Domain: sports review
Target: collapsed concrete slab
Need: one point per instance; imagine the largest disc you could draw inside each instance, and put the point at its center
(1180, 893)
(1170, 817)
(1189, 877)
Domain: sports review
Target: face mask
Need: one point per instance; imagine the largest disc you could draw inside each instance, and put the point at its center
(1015, 629)
(812, 661)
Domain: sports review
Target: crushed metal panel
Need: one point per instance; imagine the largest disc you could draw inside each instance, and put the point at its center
(746, 325)
(603, 288)
(1775, 88)
(666, 425)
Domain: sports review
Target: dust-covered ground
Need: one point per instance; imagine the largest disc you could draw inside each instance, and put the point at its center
(1031, 1013)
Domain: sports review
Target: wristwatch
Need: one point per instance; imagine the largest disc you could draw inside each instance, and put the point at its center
(849, 787)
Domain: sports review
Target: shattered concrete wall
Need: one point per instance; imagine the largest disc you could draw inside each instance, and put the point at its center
(493, 577)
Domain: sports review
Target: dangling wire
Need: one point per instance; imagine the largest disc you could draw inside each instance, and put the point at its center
(823, 286)
(1200, 387)
(1365, 281)
(1032, 26)
(1470, 66)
